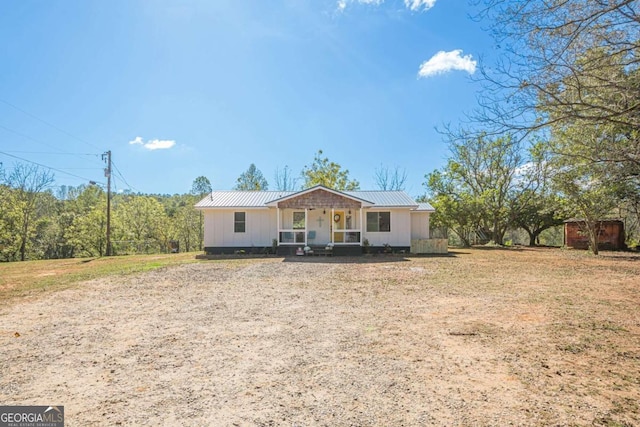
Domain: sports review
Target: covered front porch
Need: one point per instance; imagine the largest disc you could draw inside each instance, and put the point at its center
(320, 226)
(320, 217)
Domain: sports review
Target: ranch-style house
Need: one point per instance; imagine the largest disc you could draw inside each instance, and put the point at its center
(317, 218)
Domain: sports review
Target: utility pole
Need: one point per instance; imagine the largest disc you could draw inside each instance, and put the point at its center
(107, 173)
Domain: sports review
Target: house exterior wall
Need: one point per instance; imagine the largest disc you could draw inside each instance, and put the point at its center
(262, 227)
(419, 225)
(259, 232)
(400, 234)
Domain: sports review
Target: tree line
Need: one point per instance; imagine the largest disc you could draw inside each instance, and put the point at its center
(41, 221)
(37, 222)
(557, 130)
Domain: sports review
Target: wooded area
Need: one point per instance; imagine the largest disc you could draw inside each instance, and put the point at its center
(39, 220)
(556, 132)
(38, 223)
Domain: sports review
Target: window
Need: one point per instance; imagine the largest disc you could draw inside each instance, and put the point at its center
(298, 221)
(378, 221)
(239, 222)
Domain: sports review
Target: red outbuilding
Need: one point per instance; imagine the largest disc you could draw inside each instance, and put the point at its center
(610, 236)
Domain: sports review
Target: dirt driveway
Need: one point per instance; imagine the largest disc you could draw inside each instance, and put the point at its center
(488, 338)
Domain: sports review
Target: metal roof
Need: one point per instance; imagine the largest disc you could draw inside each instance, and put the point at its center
(425, 207)
(385, 198)
(240, 199)
(259, 199)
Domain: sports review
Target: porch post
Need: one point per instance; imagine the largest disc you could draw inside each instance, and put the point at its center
(278, 222)
(361, 226)
(306, 215)
(331, 224)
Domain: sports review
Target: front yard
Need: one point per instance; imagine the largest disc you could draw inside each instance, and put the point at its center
(483, 337)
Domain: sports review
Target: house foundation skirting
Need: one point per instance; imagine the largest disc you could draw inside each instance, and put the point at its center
(338, 250)
(386, 249)
(230, 250)
(287, 250)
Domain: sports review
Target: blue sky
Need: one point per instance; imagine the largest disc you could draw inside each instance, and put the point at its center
(182, 88)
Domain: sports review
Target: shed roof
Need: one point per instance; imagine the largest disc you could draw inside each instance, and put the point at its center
(603, 220)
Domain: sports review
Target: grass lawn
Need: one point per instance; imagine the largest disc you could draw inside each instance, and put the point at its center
(22, 279)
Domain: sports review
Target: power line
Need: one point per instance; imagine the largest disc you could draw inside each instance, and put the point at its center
(82, 169)
(122, 177)
(30, 138)
(45, 166)
(49, 124)
(59, 151)
(50, 153)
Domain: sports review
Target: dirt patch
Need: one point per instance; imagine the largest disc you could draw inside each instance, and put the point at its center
(532, 337)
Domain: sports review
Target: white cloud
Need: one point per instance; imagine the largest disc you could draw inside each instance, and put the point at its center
(443, 62)
(155, 144)
(158, 144)
(416, 5)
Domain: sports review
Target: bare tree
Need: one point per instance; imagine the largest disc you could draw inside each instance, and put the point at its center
(28, 181)
(562, 60)
(566, 65)
(285, 180)
(390, 180)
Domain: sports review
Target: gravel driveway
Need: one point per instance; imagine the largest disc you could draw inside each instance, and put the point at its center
(272, 342)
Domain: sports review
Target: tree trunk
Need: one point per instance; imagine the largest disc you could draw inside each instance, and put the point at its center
(594, 246)
(533, 236)
(22, 249)
(498, 235)
(464, 238)
(25, 234)
(593, 229)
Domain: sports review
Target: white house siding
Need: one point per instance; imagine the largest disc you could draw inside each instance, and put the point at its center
(419, 225)
(400, 234)
(259, 232)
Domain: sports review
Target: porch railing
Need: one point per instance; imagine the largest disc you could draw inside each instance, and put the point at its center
(292, 237)
(340, 236)
(346, 236)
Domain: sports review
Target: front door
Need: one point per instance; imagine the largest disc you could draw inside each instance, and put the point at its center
(338, 224)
